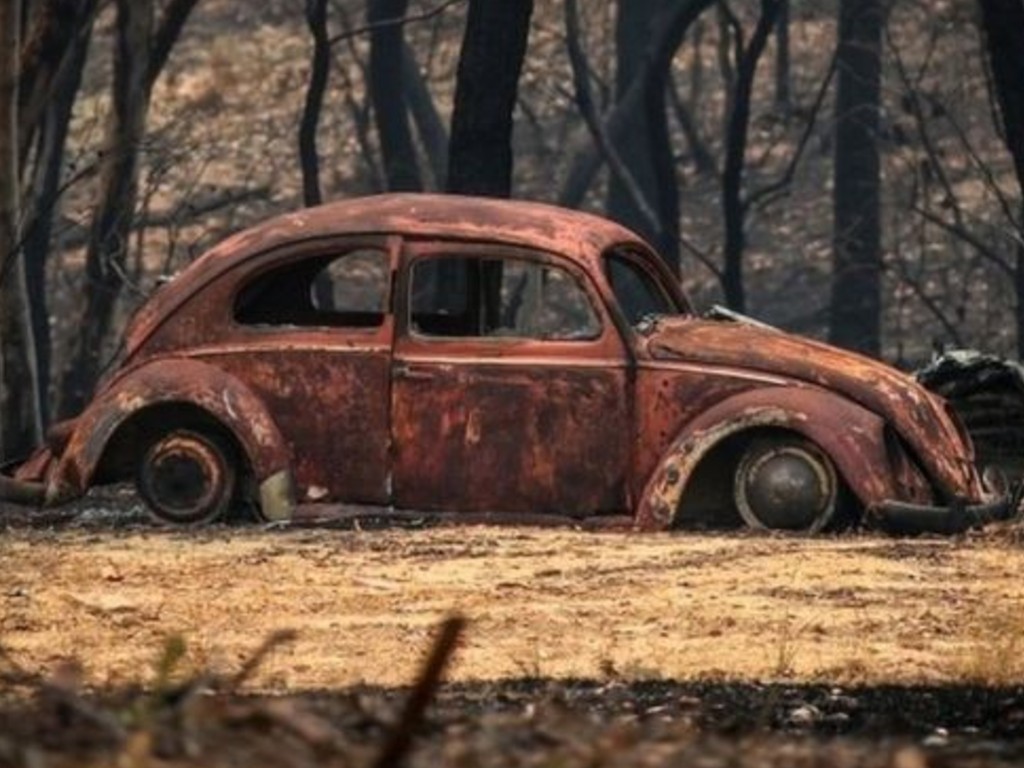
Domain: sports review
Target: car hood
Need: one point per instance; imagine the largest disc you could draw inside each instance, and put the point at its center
(918, 416)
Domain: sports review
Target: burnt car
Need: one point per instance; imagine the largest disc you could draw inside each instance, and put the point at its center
(494, 358)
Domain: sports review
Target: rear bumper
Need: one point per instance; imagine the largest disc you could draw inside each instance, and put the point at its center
(27, 492)
(903, 519)
(26, 483)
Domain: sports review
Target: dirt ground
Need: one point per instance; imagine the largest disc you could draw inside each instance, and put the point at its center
(540, 603)
(581, 648)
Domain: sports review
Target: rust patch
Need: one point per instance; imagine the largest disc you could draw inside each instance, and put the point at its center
(477, 437)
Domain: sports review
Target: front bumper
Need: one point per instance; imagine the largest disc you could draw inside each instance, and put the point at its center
(900, 518)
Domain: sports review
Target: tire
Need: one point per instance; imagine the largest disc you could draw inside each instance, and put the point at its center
(786, 483)
(186, 477)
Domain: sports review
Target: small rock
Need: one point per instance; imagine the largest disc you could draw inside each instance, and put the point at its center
(937, 738)
(804, 716)
(837, 719)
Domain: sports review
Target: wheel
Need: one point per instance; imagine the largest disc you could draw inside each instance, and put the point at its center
(787, 484)
(186, 478)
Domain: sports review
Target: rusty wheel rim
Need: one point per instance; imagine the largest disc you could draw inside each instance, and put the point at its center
(786, 485)
(185, 478)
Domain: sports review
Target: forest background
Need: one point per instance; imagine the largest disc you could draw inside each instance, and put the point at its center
(847, 169)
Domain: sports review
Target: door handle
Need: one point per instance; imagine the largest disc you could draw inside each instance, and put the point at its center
(412, 372)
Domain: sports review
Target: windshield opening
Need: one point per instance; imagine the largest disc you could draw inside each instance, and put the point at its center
(637, 288)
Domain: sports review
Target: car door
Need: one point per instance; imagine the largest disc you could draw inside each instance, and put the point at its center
(312, 334)
(510, 387)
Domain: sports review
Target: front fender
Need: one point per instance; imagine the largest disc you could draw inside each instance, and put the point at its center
(853, 437)
(186, 381)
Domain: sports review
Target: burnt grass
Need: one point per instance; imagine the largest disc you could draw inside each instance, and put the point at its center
(527, 722)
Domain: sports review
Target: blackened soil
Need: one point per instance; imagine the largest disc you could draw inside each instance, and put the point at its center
(533, 722)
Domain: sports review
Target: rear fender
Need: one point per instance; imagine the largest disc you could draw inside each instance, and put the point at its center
(183, 381)
(853, 437)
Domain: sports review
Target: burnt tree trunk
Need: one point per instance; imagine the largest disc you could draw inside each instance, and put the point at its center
(20, 423)
(783, 91)
(309, 159)
(647, 92)
(1002, 25)
(54, 28)
(856, 296)
(480, 147)
(733, 206)
(632, 32)
(431, 128)
(387, 94)
(42, 198)
(112, 217)
(493, 47)
(139, 57)
(655, 84)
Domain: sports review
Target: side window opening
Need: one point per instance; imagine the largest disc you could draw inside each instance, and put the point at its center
(349, 290)
(637, 292)
(457, 296)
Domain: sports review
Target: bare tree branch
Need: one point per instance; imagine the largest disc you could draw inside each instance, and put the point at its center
(396, 22)
(585, 102)
(958, 230)
(770, 192)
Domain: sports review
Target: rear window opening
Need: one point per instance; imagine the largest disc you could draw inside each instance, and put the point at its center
(349, 291)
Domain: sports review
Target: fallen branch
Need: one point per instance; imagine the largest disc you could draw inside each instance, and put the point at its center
(422, 693)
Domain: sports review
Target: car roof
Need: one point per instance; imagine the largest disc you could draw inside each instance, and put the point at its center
(575, 234)
(517, 222)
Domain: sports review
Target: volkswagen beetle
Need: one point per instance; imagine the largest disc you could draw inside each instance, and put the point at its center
(489, 359)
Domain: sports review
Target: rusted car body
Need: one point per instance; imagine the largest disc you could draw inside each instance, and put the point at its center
(494, 357)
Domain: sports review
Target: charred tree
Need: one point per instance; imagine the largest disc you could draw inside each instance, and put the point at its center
(656, 82)
(20, 423)
(632, 32)
(856, 296)
(431, 128)
(387, 94)
(647, 92)
(53, 60)
(493, 47)
(783, 91)
(309, 159)
(111, 223)
(1002, 25)
(480, 147)
(733, 205)
(139, 57)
